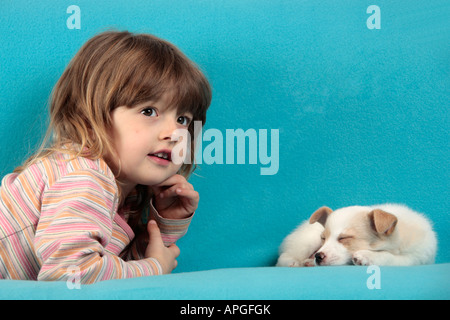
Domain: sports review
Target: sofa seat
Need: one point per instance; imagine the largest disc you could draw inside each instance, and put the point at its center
(264, 283)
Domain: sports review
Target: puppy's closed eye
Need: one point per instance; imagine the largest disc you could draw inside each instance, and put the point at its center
(345, 238)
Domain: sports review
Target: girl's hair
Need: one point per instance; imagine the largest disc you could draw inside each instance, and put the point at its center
(115, 69)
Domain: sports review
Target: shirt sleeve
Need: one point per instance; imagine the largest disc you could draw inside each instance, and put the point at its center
(76, 226)
(171, 229)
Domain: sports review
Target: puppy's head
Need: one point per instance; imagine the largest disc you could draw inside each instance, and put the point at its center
(351, 229)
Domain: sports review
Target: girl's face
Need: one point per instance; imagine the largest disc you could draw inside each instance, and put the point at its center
(142, 138)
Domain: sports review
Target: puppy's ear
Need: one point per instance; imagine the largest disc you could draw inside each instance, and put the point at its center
(382, 222)
(320, 215)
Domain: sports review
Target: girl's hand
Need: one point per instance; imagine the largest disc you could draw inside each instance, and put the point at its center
(175, 198)
(166, 256)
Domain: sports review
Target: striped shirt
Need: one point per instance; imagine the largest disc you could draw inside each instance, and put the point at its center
(59, 218)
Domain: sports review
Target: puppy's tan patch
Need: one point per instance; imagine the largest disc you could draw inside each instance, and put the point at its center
(359, 235)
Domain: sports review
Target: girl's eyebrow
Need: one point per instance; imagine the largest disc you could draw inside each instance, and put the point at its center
(146, 103)
(151, 103)
(186, 113)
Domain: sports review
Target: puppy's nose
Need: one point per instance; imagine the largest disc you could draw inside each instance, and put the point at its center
(319, 257)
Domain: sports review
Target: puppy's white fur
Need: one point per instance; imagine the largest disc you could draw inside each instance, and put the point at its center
(388, 234)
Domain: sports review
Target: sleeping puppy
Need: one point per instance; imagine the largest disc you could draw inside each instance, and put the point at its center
(388, 234)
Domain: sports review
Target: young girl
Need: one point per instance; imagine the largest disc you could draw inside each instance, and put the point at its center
(101, 199)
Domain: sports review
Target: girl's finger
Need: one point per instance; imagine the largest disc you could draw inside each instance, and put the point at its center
(167, 193)
(177, 178)
(174, 249)
(189, 194)
(170, 182)
(175, 190)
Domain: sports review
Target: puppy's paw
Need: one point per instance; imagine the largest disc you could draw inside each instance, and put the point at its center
(295, 263)
(288, 261)
(362, 258)
(304, 263)
(292, 263)
(309, 263)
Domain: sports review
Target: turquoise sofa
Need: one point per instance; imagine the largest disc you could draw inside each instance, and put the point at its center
(351, 98)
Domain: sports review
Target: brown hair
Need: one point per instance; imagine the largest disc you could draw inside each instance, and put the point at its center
(115, 69)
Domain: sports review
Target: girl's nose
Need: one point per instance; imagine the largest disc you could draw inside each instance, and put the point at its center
(167, 129)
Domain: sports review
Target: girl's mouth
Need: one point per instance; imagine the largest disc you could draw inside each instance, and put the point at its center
(163, 157)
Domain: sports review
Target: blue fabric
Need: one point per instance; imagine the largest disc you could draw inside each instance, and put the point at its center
(346, 282)
(362, 116)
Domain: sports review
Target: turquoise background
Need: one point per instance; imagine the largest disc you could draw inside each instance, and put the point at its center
(362, 114)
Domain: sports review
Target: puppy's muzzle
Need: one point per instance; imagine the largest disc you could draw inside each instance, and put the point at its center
(319, 257)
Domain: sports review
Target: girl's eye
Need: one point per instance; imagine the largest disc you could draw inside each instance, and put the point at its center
(183, 120)
(149, 112)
